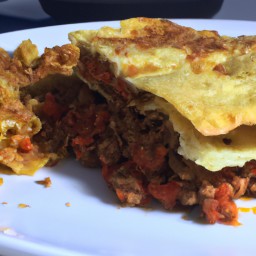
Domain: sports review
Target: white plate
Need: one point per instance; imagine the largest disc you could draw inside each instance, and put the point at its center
(94, 224)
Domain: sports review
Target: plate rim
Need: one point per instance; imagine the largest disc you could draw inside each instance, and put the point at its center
(6, 241)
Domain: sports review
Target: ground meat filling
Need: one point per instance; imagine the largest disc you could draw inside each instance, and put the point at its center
(138, 154)
(136, 150)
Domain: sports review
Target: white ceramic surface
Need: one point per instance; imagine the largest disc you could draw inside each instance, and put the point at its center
(94, 224)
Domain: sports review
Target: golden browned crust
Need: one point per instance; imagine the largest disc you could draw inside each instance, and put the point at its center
(208, 78)
(18, 123)
(161, 33)
(158, 33)
(58, 60)
(22, 69)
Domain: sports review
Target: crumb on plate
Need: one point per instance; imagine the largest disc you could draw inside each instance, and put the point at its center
(46, 182)
(23, 205)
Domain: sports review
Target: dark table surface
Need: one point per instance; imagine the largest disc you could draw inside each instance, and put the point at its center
(8, 24)
(32, 15)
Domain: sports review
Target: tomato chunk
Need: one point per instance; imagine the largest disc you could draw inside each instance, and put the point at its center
(149, 159)
(51, 108)
(221, 208)
(25, 145)
(165, 193)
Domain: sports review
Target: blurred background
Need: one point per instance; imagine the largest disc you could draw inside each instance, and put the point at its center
(23, 14)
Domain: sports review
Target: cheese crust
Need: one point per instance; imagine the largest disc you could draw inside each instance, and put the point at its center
(18, 123)
(205, 82)
(210, 79)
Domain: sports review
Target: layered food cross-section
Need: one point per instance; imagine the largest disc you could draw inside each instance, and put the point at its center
(18, 122)
(166, 111)
(175, 116)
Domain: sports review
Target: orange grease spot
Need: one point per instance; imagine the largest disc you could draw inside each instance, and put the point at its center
(245, 198)
(247, 209)
(244, 209)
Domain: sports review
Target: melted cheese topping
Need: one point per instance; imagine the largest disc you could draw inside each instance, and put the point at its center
(204, 82)
(211, 152)
(209, 79)
(17, 121)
